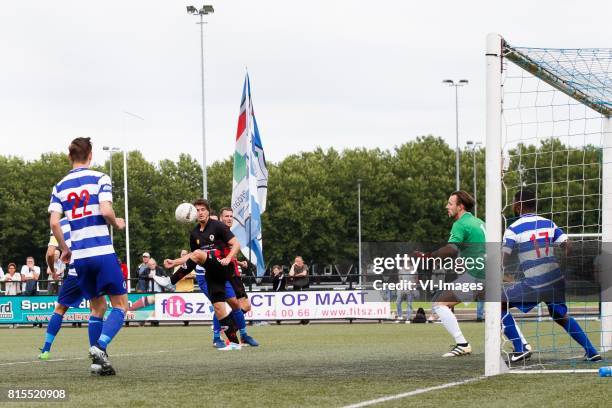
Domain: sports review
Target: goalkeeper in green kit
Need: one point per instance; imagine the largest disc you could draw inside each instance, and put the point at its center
(466, 246)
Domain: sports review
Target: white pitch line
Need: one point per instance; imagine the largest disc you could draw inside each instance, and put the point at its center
(568, 371)
(411, 393)
(87, 358)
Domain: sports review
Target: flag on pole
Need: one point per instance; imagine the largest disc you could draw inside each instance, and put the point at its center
(250, 182)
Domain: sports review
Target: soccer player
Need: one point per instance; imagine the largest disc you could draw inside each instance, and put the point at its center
(84, 196)
(244, 305)
(467, 240)
(207, 241)
(70, 295)
(534, 238)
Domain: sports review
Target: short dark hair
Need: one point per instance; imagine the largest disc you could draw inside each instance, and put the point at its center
(79, 149)
(526, 198)
(464, 199)
(202, 203)
(225, 209)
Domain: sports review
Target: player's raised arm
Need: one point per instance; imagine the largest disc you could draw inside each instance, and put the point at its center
(235, 248)
(447, 251)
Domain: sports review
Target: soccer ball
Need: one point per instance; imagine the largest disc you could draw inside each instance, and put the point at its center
(185, 213)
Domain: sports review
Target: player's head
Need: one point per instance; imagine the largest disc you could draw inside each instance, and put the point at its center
(202, 210)
(459, 203)
(79, 151)
(524, 202)
(227, 216)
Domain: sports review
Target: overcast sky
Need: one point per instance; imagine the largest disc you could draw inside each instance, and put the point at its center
(327, 73)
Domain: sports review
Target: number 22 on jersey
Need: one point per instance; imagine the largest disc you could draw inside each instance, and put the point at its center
(77, 198)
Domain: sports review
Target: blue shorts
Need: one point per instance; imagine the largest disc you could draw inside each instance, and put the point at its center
(70, 294)
(201, 280)
(100, 275)
(524, 297)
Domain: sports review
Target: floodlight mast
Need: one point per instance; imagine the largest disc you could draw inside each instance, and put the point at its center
(205, 10)
(459, 83)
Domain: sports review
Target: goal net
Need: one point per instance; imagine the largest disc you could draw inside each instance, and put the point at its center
(549, 132)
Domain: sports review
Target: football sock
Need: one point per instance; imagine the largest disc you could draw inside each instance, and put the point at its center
(574, 330)
(182, 272)
(216, 328)
(94, 329)
(449, 321)
(54, 326)
(238, 316)
(111, 327)
(230, 330)
(178, 275)
(511, 332)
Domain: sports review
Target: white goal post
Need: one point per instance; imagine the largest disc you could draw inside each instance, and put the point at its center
(500, 54)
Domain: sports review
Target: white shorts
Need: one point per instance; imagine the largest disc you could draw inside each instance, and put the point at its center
(466, 296)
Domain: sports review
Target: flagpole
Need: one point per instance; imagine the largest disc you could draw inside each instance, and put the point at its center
(250, 181)
(249, 161)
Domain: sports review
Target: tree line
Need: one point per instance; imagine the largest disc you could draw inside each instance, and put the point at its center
(312, 199)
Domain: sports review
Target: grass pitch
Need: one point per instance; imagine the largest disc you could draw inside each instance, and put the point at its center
(319, 365)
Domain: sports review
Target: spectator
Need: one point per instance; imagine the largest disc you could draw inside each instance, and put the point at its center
(278, 278)
(408, 276)
(185, 284)
(12, 280)
(56, 274)
(278, 281)
(1, 273)
(480, 311)
(124, 268)
(298, 274)
(143, 274)
(29, 276)
(155, 270)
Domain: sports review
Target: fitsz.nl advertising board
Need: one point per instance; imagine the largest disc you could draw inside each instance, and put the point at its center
(353, 304)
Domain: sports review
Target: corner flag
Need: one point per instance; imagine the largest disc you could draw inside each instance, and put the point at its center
(250, 182)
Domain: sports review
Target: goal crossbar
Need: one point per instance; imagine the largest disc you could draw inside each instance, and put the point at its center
(554, 80)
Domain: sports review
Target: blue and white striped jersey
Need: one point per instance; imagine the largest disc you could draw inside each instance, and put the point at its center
(534, 237)
(78, 196)
(65, 225)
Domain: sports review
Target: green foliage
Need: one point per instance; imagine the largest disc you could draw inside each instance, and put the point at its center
(312, 197)
(567, 182)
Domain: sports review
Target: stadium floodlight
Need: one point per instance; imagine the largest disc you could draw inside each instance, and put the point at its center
(473, 146)
(549, 116)
(456, 85)
(205, 10)
(359, 228)
(111, 151)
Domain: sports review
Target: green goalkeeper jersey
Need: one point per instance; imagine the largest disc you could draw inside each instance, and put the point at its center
(468, 233)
